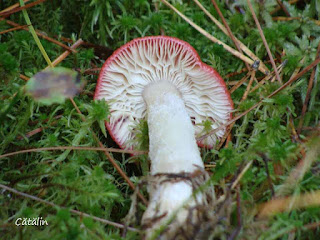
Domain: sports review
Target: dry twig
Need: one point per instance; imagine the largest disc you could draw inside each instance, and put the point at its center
(61, 148)
(7, 13)
(293, 18)
(13, 29)
(279, 8)
(264, 41)
(288, 203)
(283, 8)
(213, 39)
(230, 34)
(12, 6)
(223, 29)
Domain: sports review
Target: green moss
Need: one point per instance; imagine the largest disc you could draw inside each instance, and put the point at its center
(86, 181)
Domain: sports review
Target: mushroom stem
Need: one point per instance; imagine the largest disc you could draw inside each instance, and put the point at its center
(172, 149)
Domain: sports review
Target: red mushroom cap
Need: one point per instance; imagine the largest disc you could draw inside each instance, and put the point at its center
(141, 61)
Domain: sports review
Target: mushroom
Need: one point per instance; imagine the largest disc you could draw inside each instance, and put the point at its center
(163, 79)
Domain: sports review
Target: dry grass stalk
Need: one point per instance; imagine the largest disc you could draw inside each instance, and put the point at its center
(289, 203)
(66, 53)
(7, 13)
(264, 41)
(244, 170)
(212, 38)
(283, 8)
(245, 95)
(12, 7)
(230, 34)
(279, 8)
(240, 82)
(297, 70)
(81, 214)
(61, 148)
(267, 78)
(223, 29)
(23, 77)
(293, 18)
(13, 29)
(232, 74)
(225, 136)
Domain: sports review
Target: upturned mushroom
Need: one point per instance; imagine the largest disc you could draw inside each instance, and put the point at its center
(163, 79)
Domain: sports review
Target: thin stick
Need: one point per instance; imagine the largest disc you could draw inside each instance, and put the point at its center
(12, 6)
(91, 70)
(244, 170)
(285, 204)
(296, 77)
(264, 41)
(239, 83)
(245, 95)
(7, 13)
(266, 160)
(283, 8)
(306, 100)
(232, 74)
(23, 77)
(61, 148)
(297, 70)
(42, 36)
(278, 7)
(225, 136)
(268, 77)
(223, 29)
(212, 38)
(81, 214)
(66, 53)
(230, 34)
(317, 22)
(13, 29)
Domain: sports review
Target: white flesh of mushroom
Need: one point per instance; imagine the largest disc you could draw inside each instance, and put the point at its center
(172, 147)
